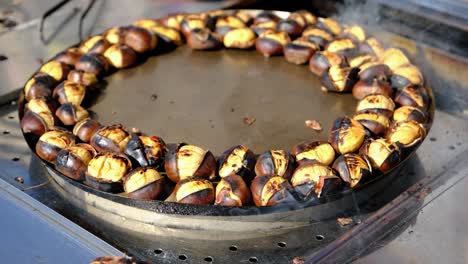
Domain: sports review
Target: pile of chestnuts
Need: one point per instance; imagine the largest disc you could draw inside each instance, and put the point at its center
(391, 116)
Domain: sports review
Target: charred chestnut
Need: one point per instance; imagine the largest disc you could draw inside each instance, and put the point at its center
(339, 79)
(240, 38)
(93, 63)
(110, 138)
(300, 50)
(354, 32)
(374, 71)
(298, 18)
(344, 46)
(55, 69)
(144, 183)
(39, 87)
(364, 88)
(186, 161)
(275, 162)
(313, 179)
(232, 191)
(291, 26)
(203, 39)
(244, 16)
(140, 39)
(394, 58)
(94, 44)
(372, 46)
(413, 96)
(407, 133)
(347, 135)
(106, 170)
(406, 113)
(259, 28)
(51, 142)
(194, 190)
(73, 161)
(37, 123)
(228, 23)
(360, 60)
(146, 150)
(317, 35)
(271, 42)
(69, 56)
(192, 22)
(237, 160)
(82, 77)
(322, 60)
(85, 129)
(381, 154)
(377, 103)
(406, 75)
(121, 56)
(376, 123)
(70, 114)
(330, 25)
(39, 105)
(353, 169)
(319, 151)
(309, 18)
(167, 36)
(69, 92)
(270, 190)
(115, 35)
(266, 16)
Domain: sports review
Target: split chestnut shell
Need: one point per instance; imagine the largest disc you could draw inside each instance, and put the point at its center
(405, 113)
(85, 129)
(146, 150)
(53, 141)
(203, 39)
(322, 60)
(272, 42)
(413, 96)
(73, 161)
(300, 51)
(275, 162)
(353, 169)
(381, 154)
(39, 86)
(69, 92)
(232, 191)
(144, 183)
(237, 160)
(269, 190)
(346, 135)
(106, 171)
(407, 133)
(313, 179)
(194, 190)
(320, 151)
(70, 114)
(377, 103)
(339, 79)
(110, 138)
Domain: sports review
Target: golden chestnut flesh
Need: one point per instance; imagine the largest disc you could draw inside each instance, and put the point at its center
(313, 179)
(353, 169)
(237, 160)
(377, 103)
(121, 56)
(270, 190)
(82, 77)
(55, 69)
(317, 35)
(413, 96)
(106, 171)
(144, 183)
(69, 92)
(275, 162)
(406, 113)
(394, 58)
(382, 155)
(372, 46)
(70, 114)
(73, 161)
(228, 23)
(194, 190)
(110, 138)
(271, 43)
(347, 135)
(407, 133)
(355, 32)
(94, 44)
(330, 25)
(339, 79)
(300, 51)
(51, 142)
(322, 60)
(376, 123)
(37, 123)
(406, 75)
(39, 86)
(232, 191)
(319, 151)
(344, 46)
(240, 38)
(261, 27)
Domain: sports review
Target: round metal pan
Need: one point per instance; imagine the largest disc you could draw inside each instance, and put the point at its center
(201, 98)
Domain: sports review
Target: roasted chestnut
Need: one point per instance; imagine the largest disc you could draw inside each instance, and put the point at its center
(353, 169)
(232, 191)
(330, 25)
(362, 59)
(144, 183)
(55, 69)
(376, 123)
(406, 113)
(173, 21)
(339, 79)
(259, 28)
(192, 22)
(344, 46)
(364, 88)
(317, 35)
(407, 133)
(244, 16)
(374, 71)
(270, 190)
(377, 103)
(275, 162)
(194, 190)
(394, 58)
(110, 138)
(271, 42)
(186, 161)
(203, 39)
(266, 16)
(228, 23)
(146, 150)
(115, 35)
(85, 129)
(40, 86)
(121, 56)
(140, 39)
(412, 96)
(372, 46)
(73, 161)
(39, 105)
(322, 60)
(381, 154)
(319, 151)
(69, 56)
(355, 32)
(94, 44)
(291, 26)
(93, 63)
(37, 123)
(51, 142)
(167, 36)
(237, 160)
(240, 38)
(406, 75)
(106, 170)
(298, 18)
(70, 114)
(346, 135)
(300, 50)
(313, 179)
(69, 92)
(82, 77)
(309, 18)
(147, 23)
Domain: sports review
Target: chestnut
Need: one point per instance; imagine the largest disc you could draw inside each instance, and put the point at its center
(413, 96)
(300, 51)
(72, 161)
(372, 46)
(40, 86)
(70, 114)
(85, 129)
(313, 179)
(339, 79)
(106, 170)
(374, 71)
(266, 16)
(110, 138)
(146, 150)
(94, 44)
(93, 63)
(382, 155)
(147, 23)
(228, 23)
(259, 28)
(69, 56)
(51, 142)
(37, 123)
(194, 190)
(185, 161)
(376, 123)
(275, 162)
(237, 160)
(318, 36)
(408, 134)
(144, 183)
(140, 39)
(82, 77)
(203, 39)
(69, 92)
(344, 46)
(291, 26)
(353, 169)
(394, 58)
(298, 18)
(377, 103)
(55, 69)
(115, 35)
(39, 105)
(240, 38)
(362, 59)
(270, 190)
(271, 42)
(173, 21)
(121, 56)
(405, 113)
(322, 60)
(346, 135)
(309, 18)
(319, 151)
(167, 36)
(406, 75)
(364, 88)
(232, 191)
(192, 22)
(244, 16)
(330, 25)
(354, 32)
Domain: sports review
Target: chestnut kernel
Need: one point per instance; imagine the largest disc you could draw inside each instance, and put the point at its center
(193, 22)
(259, 28)
(322, 60)
(115, 35)
(244, 16)
(106, 170)
(70, 114)
(339, 79)
(147, 23)
(300, 51)
(319, 151)
(271, 42)
(82, 77)
(237, 160)
(39, 87)
(319, 36)
(330, 25)
(69, 56)
(94, 44)
(347, 135)
(173, 21)
(110, 138)
(140, 39)
(382, 155)
(313, 179)
(413, 96)
(85, 129)
(194, 190)
(167, 36)
(73, 161)
(232, 191)
(362, 59)
(298, 18)
(121, 56)
(406, 75)
(309, 18)
(376, 123)
(406, 113)
(377, 103)
(270, 190)
(203, 39)
(353, 169)
(144, 183)
(146, 150)
(240, 38)
(355, 32)
(408, 134)
(37, 123)
(39, 105)
(344, 46)
(51, 142)
(228, 23)
(394, 58)
(275, 162)
(372, 46)
(69, 92)
(290, 26)
(93, 63)
(55, 69)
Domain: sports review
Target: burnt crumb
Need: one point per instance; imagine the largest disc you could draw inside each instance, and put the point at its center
(298, 260)
(410, 232)
(232, 110)
(212, 126)
(451, 147)
(154, 97)
(114, 113)
(210, 120)
(433, 139)
(313, 124)
(19, 179)
(171, 102)
(249, 120)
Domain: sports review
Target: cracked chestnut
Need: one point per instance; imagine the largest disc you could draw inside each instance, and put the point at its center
(413, 96)
(168, 38)
(406, 75)
(40, 105)
(362, 59)
(232, 191)
(300, 51)
(121, 56)
(73, 161)
(408, 134)
(270, 190)
(322, 60)
(93, 63)
(85, 129)
(376, 123)
(192, 22)
(364, 88)
(320, 151)
(292, 27)
(382, 155)
(310, 19)
(372, 46)
(106, 171)
(377, 103)
(353, 169)
(313, 179)
(144, 183)
(53, 141)
(145, 150)
(228, 23)
(147, 23)
(69, 92)
(69, 56)
(346, 135)
(259, 28)
(82, 77)
(110, 138)
(115, 35)
(266, 16)
(140, 40)
(405, 113)
(237, 160)
(344, 46)
(339, 79)
(70, 114)
(37, 123)
(355, 32)
(55, 69)
(394, 58)
(94, 44)
(240, 38)
(271, 43)
(173, 21)
(203, 39)
(275, 162)
(39, 86)
(194, 190)
(330, 25)
(317, 35)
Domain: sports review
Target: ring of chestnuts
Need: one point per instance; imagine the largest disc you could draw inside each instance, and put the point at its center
(391, 119)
